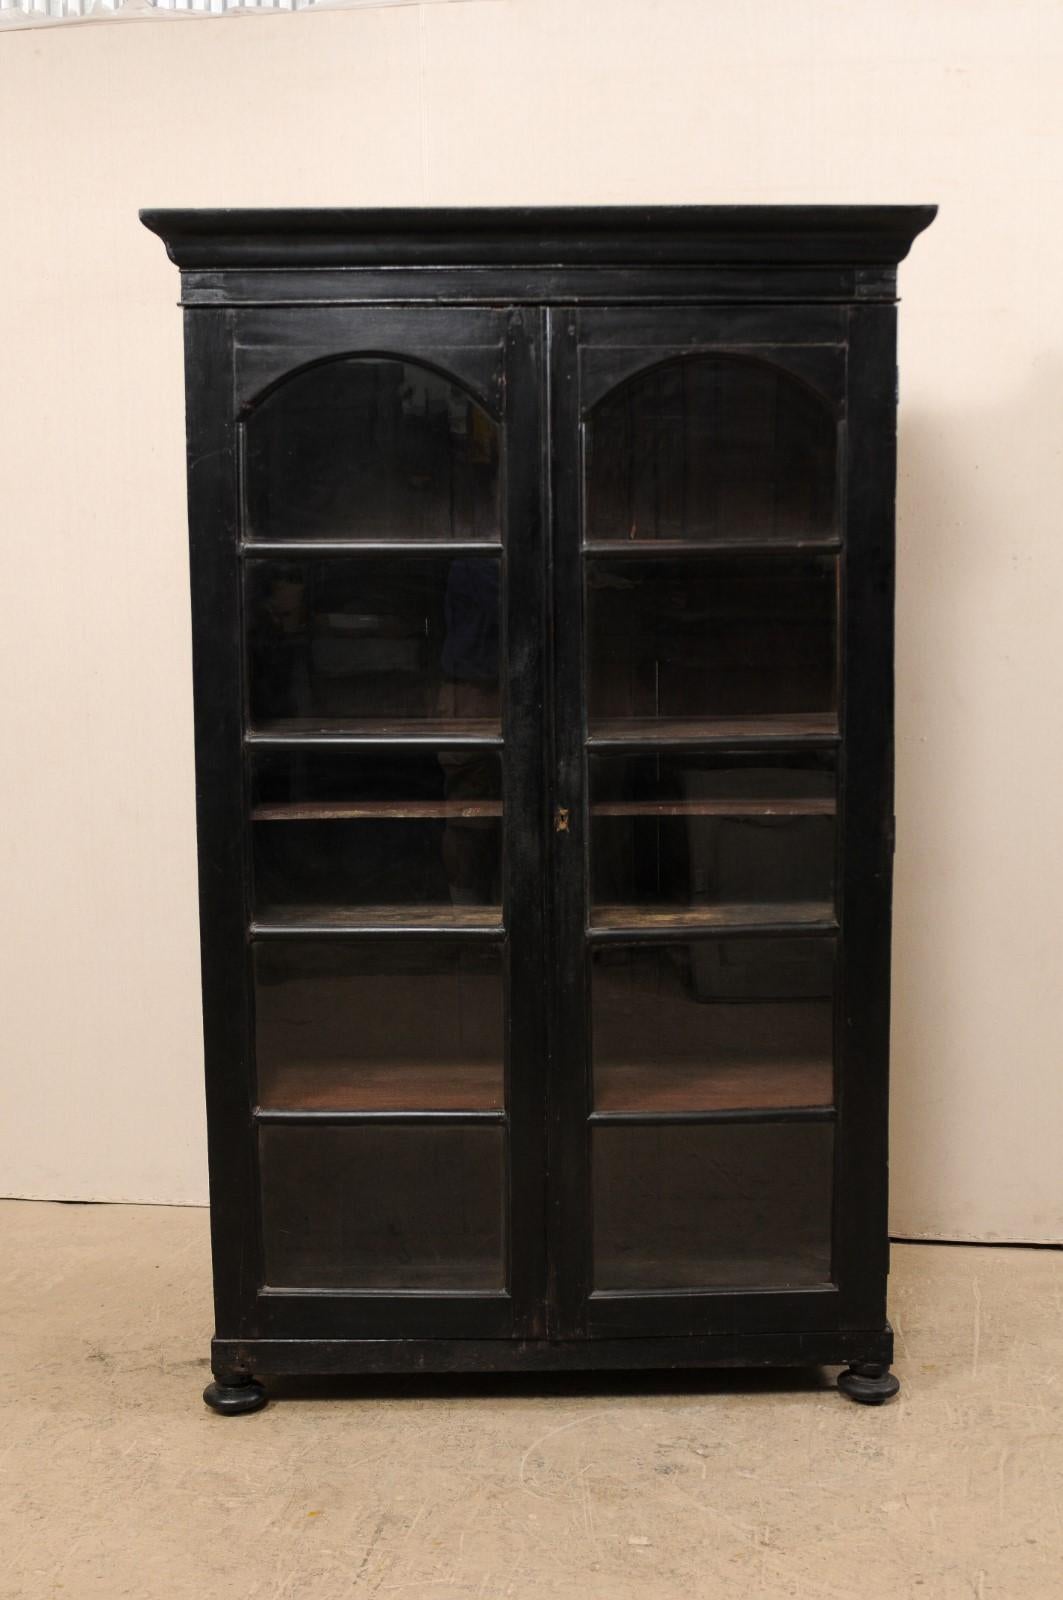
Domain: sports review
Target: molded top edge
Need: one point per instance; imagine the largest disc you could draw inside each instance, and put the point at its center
(541, 236)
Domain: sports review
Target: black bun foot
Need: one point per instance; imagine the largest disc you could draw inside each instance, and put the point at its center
(230, 1397)
(870, 1384)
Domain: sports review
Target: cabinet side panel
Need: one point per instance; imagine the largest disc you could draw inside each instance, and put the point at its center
(861, 1248)
(217, 680)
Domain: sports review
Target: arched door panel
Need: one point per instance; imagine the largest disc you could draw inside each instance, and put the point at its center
(466, 344)
(701, 447)
(615, 345)
(371, 447)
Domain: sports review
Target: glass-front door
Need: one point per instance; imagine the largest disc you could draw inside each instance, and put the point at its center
(698, 546)
(393, 787)
(544, 785)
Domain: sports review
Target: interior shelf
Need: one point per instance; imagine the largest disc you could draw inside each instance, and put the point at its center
(377, 546)
(738, 1085)
(656, 921)
(280, 921)
(789, 728)
(799, 806)
(643, 549)
(387, 1086)
(445, 732)
(340, 810)
(631, 1088)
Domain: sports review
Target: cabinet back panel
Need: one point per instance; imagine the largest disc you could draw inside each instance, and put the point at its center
(382, 1207)
(378, 1026)
(673, 640)
(712, 1207)
(404, 639)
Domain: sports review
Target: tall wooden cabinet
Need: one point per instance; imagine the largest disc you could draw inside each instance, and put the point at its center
(542, 578)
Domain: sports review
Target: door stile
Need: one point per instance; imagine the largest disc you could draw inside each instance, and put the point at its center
(568, 1146)
(525, 802)
(218, 688)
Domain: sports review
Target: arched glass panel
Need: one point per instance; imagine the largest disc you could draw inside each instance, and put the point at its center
(371, 448)
(711, 447)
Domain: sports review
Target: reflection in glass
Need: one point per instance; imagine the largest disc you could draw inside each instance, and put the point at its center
(371, 448)
(377, 828)
(710, 447)
(668, 1035)
(684, 829)
(672, 640)
(378, 1026)
(712, 1206)
(374, 640)
(382, 1207)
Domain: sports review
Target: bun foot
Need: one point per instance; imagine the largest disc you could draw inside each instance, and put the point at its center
(232, 1394)
(869, 1383)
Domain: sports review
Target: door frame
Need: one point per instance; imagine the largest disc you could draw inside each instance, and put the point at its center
(842, 352)
(232, 357)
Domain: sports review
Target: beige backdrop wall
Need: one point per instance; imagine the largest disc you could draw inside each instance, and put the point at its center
(501, 101)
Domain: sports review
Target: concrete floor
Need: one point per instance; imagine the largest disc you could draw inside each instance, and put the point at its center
(116, 1481)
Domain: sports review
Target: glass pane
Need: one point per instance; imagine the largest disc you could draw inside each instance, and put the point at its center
(668, 1035)
(690, 830)
(712, 1206)
(370, 448)
(377, 828)
(711, 448)
(690, 641)
(382, 1207)
(374, 640)
(378, 1026)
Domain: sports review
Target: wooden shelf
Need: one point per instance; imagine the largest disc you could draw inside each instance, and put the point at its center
(289, 549)
(340, 810)
(281, 921)
(435, 734)
(621, 1088)
(661, 549)
(664, 921)
(787, 728)
(386, 1086)
(693, 1086)
(801, 806)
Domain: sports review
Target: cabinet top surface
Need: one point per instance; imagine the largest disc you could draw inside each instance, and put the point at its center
(541, 236)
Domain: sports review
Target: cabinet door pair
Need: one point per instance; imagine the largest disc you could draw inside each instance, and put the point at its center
(540, 677)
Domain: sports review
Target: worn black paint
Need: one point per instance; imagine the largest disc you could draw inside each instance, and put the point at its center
(538, 313)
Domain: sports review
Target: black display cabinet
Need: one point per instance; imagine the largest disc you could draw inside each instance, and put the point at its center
(542, 582)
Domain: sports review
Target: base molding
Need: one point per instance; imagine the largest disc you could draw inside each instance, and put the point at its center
(353, 1357)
